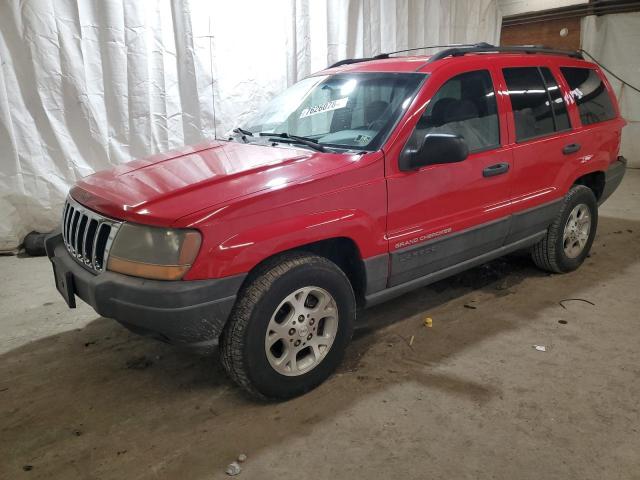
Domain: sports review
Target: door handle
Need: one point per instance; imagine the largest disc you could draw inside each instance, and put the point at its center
(497, 169)
(571, 148)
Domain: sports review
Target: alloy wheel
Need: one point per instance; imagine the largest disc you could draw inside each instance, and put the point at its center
(301, 331)
(576, 231)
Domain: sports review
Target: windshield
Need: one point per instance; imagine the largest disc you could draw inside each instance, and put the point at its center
(350, 110)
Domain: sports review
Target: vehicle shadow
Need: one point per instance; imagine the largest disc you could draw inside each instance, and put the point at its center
(100, 402)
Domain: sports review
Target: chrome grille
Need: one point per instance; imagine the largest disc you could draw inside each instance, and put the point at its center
(87, 235)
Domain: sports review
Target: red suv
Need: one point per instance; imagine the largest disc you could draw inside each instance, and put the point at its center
(357, 184)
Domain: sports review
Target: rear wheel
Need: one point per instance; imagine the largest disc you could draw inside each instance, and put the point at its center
(290, 327)
(571, 235)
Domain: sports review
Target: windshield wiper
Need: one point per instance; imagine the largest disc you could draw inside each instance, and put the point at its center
(286, 138)
(243, 131)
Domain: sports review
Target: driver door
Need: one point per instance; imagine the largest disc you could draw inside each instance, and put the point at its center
(442, 215)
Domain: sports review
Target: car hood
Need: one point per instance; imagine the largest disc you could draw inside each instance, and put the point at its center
(162, 188)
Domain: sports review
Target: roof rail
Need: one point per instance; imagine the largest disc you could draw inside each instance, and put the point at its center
(349, 61)
(381, 56)
(461, 49)
(486, 48)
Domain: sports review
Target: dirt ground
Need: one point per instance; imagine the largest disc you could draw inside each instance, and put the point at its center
(470, 397)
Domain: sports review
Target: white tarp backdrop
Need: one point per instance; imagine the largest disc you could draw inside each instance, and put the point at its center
(88, 84)
(615, 41)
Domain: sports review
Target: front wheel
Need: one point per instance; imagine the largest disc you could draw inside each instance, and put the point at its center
(570, 236)
(290, 327)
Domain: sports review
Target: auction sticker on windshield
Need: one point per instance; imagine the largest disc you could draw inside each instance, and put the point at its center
(325, 107)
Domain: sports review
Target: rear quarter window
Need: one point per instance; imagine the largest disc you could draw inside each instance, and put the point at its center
(590, 94)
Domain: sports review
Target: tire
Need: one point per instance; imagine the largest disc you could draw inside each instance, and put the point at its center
(269, 307)
(554, 253)
(34, 244)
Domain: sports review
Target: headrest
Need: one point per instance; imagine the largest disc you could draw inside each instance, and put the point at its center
(461, 110)
(374, 110)
(438, 114)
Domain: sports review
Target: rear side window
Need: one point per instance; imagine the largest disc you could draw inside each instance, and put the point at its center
(465, 105)
(590, 94)
(537, 103)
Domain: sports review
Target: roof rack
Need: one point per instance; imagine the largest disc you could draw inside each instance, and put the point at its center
(382, 56)
(457, 50)
(487, 48)
(349, 61)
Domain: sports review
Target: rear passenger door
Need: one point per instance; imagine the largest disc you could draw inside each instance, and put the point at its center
(441, 215)
(598, 124)
(540, 133)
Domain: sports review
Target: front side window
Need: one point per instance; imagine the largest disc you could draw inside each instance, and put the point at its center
(590, 94)
(465, 105)
(350, 110)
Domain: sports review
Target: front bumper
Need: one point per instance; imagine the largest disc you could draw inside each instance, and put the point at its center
(612, 178)
(190, 313)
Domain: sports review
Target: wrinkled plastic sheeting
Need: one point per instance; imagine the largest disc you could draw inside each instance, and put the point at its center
(615, 41)
(89, 84)
(85, 86)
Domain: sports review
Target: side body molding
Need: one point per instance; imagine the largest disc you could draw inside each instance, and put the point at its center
(433, 260)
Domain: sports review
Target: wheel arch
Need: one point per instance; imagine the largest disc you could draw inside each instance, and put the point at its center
(343, 251)
(593, 180)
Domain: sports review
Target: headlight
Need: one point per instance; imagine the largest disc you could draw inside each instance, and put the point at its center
(151, 252)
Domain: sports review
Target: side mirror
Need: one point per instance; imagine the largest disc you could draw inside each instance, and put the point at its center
(435, 148)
